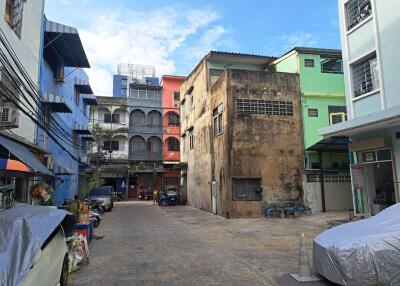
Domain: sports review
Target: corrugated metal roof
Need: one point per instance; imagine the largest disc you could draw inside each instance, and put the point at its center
(318, 51)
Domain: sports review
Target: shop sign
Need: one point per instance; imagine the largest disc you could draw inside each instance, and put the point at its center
(357, 177)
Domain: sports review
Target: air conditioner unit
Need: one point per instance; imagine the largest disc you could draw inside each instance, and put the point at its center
(176, 105)
(9, 117)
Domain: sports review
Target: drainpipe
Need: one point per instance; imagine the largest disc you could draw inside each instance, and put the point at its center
(321, 179)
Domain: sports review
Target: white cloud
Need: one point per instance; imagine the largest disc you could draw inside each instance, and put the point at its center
(284, 43)
(143, 38)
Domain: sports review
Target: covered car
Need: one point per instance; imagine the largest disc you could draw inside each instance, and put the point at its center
(169, 196)
(103, 195)
(33, 248)
(365, 252)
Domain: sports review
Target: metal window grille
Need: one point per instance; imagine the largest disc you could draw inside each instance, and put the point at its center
(365, 76)
(4, 114)
(137, 144)
(309, 63)
(312, 112)
(331, 65)
(173, 119)
(263, 107)
(357, 11)
(248, 189)
(177, 96)
(173, 144)
(329, 178)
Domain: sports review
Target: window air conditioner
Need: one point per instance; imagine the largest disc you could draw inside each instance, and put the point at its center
(9, 117)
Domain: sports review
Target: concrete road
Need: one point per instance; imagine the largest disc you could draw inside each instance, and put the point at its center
(149, 245)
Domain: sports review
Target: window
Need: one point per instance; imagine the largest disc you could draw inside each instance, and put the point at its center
(217, 120)
(183, 110)
(337, 114)
(191, 140)
(123, 91)
(309, 63)
(190, 95)
(137, 144)
(173, 144)
(76, 95)
(124, 82)
(177, 96)
(108, 118)
(247, 189)
(335, 118)
(84, 109)
(173, 119)
(111, 145)
(138, 118)
(365, 76)
(331, 65)
(357, 11)
(183, 140)
(13, 15)
(154, 118)
(263, 107)
(312, 112)
(134, 93)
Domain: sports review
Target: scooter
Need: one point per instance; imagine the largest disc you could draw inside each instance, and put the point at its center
(96, 217)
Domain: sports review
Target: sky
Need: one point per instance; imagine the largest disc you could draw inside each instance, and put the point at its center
(174, 35)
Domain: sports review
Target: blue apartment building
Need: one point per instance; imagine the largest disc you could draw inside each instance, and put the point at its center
(65, 95)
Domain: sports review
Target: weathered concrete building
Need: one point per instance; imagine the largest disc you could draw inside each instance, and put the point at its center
(241, 145)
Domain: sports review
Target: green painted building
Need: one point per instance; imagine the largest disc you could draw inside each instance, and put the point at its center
(323, 98)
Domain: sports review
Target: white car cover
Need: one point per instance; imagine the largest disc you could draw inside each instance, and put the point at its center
(365, 252)
(23, 230)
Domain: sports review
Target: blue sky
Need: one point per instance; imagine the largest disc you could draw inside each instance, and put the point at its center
(174, 35)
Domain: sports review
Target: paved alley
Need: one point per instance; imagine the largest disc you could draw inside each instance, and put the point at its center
(149, 245)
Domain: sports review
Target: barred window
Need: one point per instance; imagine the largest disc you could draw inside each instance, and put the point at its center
(365, 75)
(248, 189)
(357, 11)
(312, 112)
(264, 107)
(217, 120)
(309, 63)
(331, 65)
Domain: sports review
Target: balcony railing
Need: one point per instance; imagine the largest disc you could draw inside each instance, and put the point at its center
(145, 156)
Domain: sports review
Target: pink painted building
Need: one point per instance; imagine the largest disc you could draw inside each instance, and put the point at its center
(171, 129)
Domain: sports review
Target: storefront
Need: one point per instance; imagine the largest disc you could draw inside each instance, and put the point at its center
(374, 179)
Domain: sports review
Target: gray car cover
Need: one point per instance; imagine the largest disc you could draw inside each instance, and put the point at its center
(23, 231)
(365, 252)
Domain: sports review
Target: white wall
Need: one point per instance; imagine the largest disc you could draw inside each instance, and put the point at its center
(338, 196)
(27, 49)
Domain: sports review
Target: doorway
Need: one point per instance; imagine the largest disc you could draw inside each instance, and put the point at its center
(380, 185)
(378, 172)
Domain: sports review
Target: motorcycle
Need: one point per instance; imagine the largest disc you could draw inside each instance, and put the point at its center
(97, 218)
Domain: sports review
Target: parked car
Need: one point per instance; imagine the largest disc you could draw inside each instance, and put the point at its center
(103, 195)
(364, 252)
(169, 196)
(33, 245)
(50, 266)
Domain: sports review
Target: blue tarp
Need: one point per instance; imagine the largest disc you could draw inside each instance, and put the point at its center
(25, 156)
(23, 231)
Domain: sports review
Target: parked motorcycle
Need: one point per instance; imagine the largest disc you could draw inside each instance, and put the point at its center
(96, 218)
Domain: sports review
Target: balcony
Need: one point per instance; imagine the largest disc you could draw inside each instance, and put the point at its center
(145, 156)
(117, 127)
(55, 103)
(146, 129)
